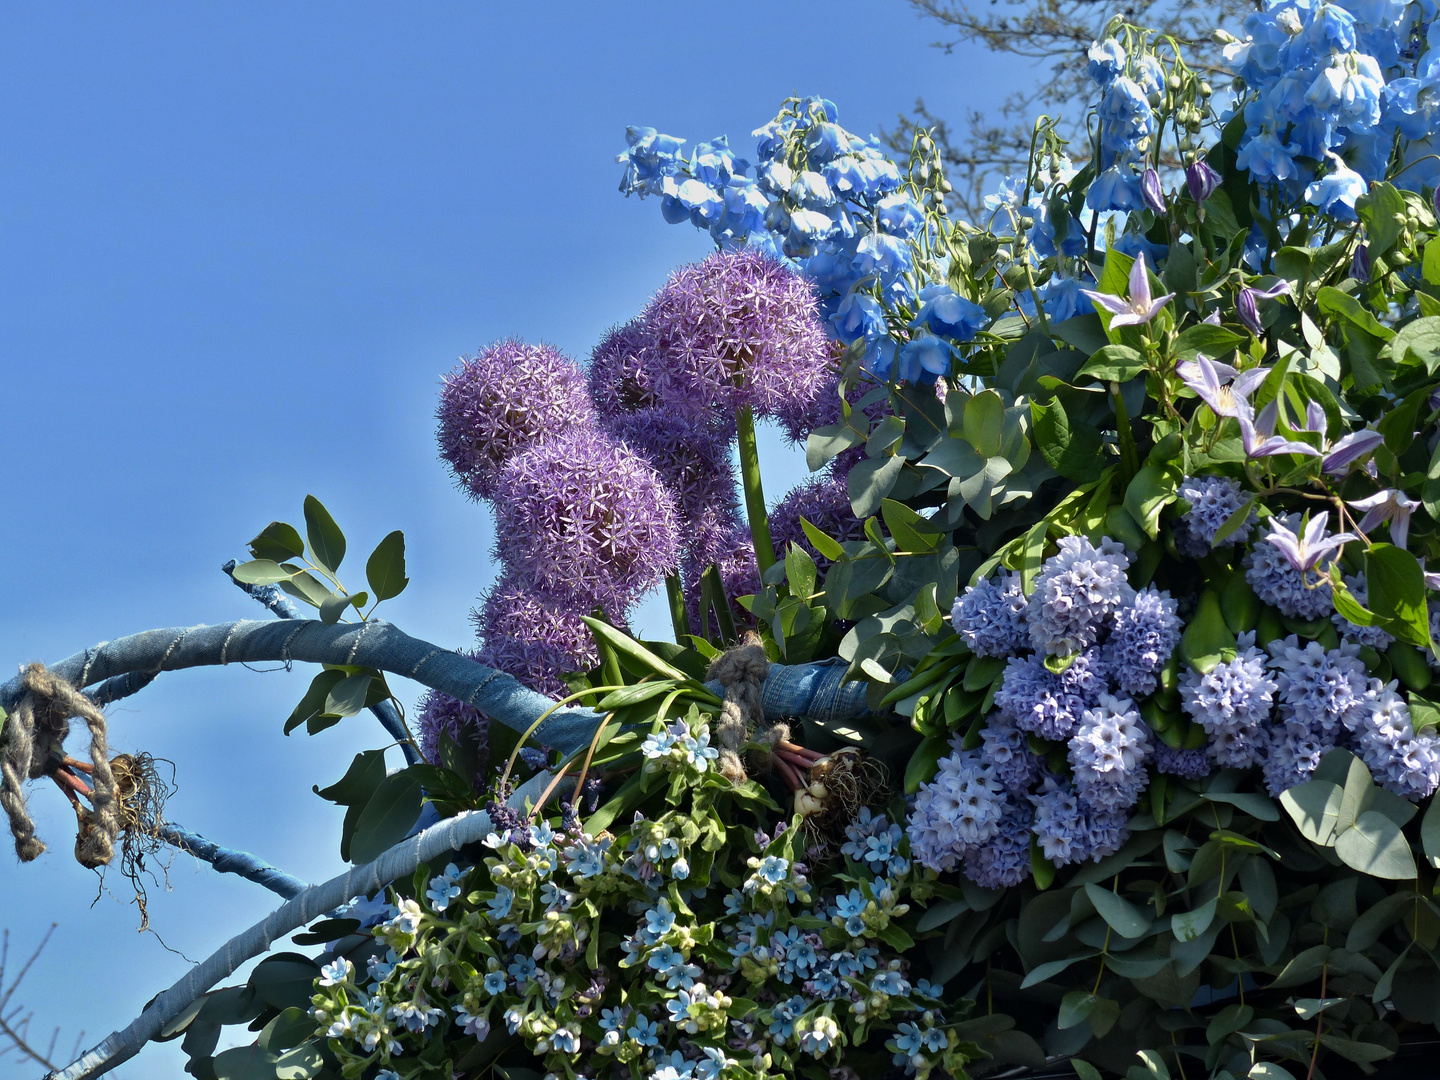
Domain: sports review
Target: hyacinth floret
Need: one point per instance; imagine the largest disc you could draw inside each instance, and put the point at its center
(1068, 830)
(1324, 690)
(1076, 592)
(1373, 636)
(1281, 585)
(1232, 702)
(1145, 634)
(1005, 748)
(583, 517)
(1406, 763)
(1212, 499)
(736, 329)
(1108, 753)
(1034, 697)
(503, 401)
(991, 617)
(957, 810)
(1004, 861)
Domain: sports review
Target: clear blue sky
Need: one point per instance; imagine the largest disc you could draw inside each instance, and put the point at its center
(240, 245)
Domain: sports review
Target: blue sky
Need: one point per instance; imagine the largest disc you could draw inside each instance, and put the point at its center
(240, 246)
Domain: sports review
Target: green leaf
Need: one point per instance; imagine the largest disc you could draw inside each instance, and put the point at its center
(1345, 307)
(1252, 802)
(1032, 555)
(285, 980)
(924, 761)
(913, 533)
(1084, 1070)
(1114, 363)
(245, 1063)
(332, 607)
(1305, 967)
(1213, 341)
(1207, 636)
(385, 569)
(1376, 846)
(1124, 918)
(1366, 930)
(1430, 833)
(327, 542)
(1189, 925)
(278, 542)
(299, 1063)
(1074, 1008)
(1396, 591)
(1075, 454)
(292, 1027)
(984, 422)
(628, 646)
(347, 697)
(359, 782)
(387, 817)
(260, 572)
(1114, 280)
(1227, 1021)
(1119, 525)
(1418, 342)
(822, 543)
(800, 572)
(1382, 209)
(1152, 489)
(1314, 806)
(1041, 972)
(313, 703)
(869, 481)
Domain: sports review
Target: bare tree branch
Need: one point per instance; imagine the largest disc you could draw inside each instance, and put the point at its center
(15, 1023)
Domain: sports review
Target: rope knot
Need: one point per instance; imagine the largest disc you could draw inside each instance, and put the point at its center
(33, 747)
(742, 671)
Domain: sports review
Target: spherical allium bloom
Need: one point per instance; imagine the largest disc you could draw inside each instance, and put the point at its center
(990, 616)
(1232, 702)
(957, 810)
(619, 376)
(440, 714)
(822, 500)
(1145, 634)
(1280, 585)
(500, 403)
(1004, 860)
(1212, 500)
(1372, 636)
(1069, 831)
(693, 462)
(1108, 753)
(736, 329)
(532, 636)
(1385, 738)
(582, 517)
(1323, 689)
(1035, 699)
(1005, 748)
(1076, 592)
(1187, 764)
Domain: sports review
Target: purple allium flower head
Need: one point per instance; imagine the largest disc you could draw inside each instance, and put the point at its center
(531, 636)
(1145, 634)
(439, 714)
(1005, 748)
(1108, 753)
(737, 329)
(822, 500)
(619, 377)
(1004, 861)
(990, 617)
(1077, 590)
(956, 811)
(580, 516)
(1212, 500)
(1232, 702)
(1280, 585)
(1187, 764)
(503, 401)
(1372, 636)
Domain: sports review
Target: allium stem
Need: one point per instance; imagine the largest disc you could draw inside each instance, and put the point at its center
(675, 592)
(754, 492)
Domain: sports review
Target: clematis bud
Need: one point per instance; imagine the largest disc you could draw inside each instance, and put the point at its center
(1249, 311)
(1201, 180)
(1151, 191)
(1360, 264)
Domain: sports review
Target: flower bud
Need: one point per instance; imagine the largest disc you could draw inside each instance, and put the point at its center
(1360, 264)
(1249, 311)
(1201, 180)
(1151, 191)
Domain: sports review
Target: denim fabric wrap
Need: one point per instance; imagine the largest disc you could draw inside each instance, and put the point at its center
(228, 861)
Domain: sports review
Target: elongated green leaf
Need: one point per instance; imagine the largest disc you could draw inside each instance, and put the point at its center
(327, 542)
(387, 817)
(385, 569)
(1346, 307)
(1113, 363)
(1189, 925)
(260, 572)
(1042, 972)
(1124, 918)
(278, 542)
(1314, 806)
(1152, 489)
(313, 703)
(923, 762)
(1207, 636)
(1366, 930)
(628, 646)
(822, 543)
(347, 697)
(1252, 802)
(1430, 833)
(1306, 966)
(869, 481)
(1396, 590)
(984, 422)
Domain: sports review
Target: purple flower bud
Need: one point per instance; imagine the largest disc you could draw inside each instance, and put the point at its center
(1202, 181)
(1249, 311)
(1151, 191)
(1360, 264)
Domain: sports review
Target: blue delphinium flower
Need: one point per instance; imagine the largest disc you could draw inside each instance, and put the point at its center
(990, 616)
(1212, 500)
(1232, 702)
(946, 313)
(1145, 634)
(955, 811)
(1108, 753)
(1004, 861)
(1373, 636)
(1075, 593)
(1281, 585)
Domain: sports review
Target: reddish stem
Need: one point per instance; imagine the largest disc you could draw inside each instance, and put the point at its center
(787, 771)
(69, 781)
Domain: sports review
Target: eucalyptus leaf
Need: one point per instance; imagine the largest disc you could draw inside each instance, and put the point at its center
(327, 542)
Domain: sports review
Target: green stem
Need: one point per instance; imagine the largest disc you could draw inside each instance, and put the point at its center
(754, 492)
(1129, 457)
(676, 594)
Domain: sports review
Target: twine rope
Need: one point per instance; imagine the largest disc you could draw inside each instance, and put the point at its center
(741, 671)
(34, 740)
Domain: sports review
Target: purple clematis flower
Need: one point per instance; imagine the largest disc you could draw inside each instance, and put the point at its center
(1258, 433)
(1305, 552)
(1389, 505)
(1350, 449)
(1139, 309)
(1360, 266)
(1208, 378)
(1248, 304)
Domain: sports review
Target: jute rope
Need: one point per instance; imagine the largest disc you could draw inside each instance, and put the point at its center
(34, 737)
(742, 672)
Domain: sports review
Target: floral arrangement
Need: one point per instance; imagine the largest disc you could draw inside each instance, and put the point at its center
(1123, 507)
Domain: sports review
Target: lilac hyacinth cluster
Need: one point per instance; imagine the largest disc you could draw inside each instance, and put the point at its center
(990, 617)
(588, 518)
(1373, 636)
(1076, 593)
(1108, 754)
(1006, 749)
(1144, 636)
(1278, 583)
(956, 812)
(1322, 696)
(1406, 763)
(1044, 703)
(1186, 764)
(502, 401)
(1004, 861)
(1212, 499)
(1070, 830)
(1232, 702)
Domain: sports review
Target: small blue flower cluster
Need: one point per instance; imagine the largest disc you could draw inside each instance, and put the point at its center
(1212, 499)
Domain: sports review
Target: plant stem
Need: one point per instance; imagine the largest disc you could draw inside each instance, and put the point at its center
(678, 618)
(754, 492)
